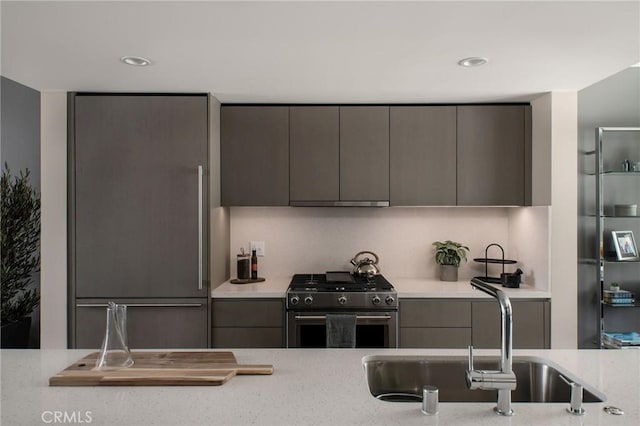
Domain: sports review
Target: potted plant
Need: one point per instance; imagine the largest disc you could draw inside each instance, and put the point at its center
(449, 254)
(20, 241)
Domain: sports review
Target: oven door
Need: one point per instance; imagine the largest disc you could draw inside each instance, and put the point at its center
(373, 329)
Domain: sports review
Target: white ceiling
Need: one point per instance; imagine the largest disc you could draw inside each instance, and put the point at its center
(302, 51)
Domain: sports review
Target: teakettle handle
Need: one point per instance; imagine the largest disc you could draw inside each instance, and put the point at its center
(366, 252)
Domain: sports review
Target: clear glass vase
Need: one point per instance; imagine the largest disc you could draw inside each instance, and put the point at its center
(115, 351)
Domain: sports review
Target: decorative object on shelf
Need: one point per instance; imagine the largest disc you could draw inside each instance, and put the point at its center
(625, 245)
(20, 236)
(449, 254)
(626, 165)
(614, 286)
(115, 353)
(625, 209)
(501, 261)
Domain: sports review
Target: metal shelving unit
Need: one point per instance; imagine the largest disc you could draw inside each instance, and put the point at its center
(603, 258)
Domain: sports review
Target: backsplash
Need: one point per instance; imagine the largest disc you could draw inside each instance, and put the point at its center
(321, 239)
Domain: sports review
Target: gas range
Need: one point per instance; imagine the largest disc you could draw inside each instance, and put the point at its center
(340, 291)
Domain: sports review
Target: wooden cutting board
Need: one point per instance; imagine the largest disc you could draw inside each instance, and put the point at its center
(159, 369)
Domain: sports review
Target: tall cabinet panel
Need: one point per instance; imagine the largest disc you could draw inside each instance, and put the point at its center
(423, 156)
(138, 200)
(491, 154)
(254, 146)
(314, 153)
(364, 153)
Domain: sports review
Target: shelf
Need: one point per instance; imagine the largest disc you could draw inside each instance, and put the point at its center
(619, 261)
(622, 305)
(608, 216)
(614, 173)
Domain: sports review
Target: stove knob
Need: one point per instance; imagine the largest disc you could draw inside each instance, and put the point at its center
(375, 300)
(308, 300)
(389, 300)
(342, 300)
(295, 300)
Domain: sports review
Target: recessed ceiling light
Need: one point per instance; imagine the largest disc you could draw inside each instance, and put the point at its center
(474, 61)
(137, 61)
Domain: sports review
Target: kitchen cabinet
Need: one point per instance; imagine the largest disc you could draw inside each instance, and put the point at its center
(314, 153)
(254, 151)
(458, 323)
(364, 153)
(422, 155)
(248, 323)
(531, 324)
(138, 210)
(152, 323)
(434, 323)
(339, 154)
(617, 193)
(493, 155)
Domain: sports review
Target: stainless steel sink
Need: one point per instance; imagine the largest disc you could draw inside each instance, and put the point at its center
(401, 378)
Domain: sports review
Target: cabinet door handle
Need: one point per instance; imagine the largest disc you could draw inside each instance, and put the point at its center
(142, 305)
(360, 317)
(200, 176)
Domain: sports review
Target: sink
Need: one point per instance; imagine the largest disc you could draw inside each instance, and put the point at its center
(399, 378)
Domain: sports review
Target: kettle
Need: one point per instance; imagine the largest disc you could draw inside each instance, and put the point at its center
(366, 266)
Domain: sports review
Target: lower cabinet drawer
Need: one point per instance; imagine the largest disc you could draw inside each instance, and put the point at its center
(419, 337)
(247, 337)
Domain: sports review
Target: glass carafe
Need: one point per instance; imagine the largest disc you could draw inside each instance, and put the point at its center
(115, 351)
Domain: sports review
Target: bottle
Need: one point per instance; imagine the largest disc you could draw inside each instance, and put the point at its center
(254, 265)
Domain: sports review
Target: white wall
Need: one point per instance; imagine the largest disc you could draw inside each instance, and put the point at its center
(563, 255)
(529, 241)
(302, 240)
(53, 275)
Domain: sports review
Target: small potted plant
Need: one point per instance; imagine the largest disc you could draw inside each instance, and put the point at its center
(449, 254)
(20, 237)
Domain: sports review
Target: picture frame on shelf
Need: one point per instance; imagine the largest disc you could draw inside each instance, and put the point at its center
(625, 245)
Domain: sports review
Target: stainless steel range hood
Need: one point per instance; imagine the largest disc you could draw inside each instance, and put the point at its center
(339, 203)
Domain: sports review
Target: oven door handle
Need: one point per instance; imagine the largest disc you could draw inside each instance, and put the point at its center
(358, 317)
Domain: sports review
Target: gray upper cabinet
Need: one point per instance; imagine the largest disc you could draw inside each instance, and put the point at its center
(491, 154)
(135, 191)
(314, 153)
(254, 149)
(364, 153)
(423, 156)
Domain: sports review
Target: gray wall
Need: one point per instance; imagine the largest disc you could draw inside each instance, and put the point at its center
(613, 102)
(20, 148)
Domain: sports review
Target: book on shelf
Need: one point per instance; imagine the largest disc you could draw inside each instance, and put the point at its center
(620, 301)
(617, 294)
(630, 338)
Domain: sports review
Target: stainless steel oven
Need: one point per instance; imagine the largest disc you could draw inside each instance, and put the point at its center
(373, 329)
(372, 300)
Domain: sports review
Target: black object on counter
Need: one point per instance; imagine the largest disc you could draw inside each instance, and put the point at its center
(511, 280)
(243, 268)
(501, 261)
(254, 265)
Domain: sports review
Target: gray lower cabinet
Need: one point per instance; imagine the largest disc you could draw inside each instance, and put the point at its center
(254, 152)
(315, 153)
(434, 323)
(458, 323)
(491, 154)
(248, 323)
(151, 323)
(422, 151)
(531, 324)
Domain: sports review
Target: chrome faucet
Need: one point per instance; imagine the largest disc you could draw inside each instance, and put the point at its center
(504, 380)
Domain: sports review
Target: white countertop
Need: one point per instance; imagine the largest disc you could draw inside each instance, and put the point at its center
(406, 288)
(308, 387)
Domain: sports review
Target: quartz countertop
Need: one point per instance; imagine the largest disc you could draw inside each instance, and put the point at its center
(406, 288)
(308, 387)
